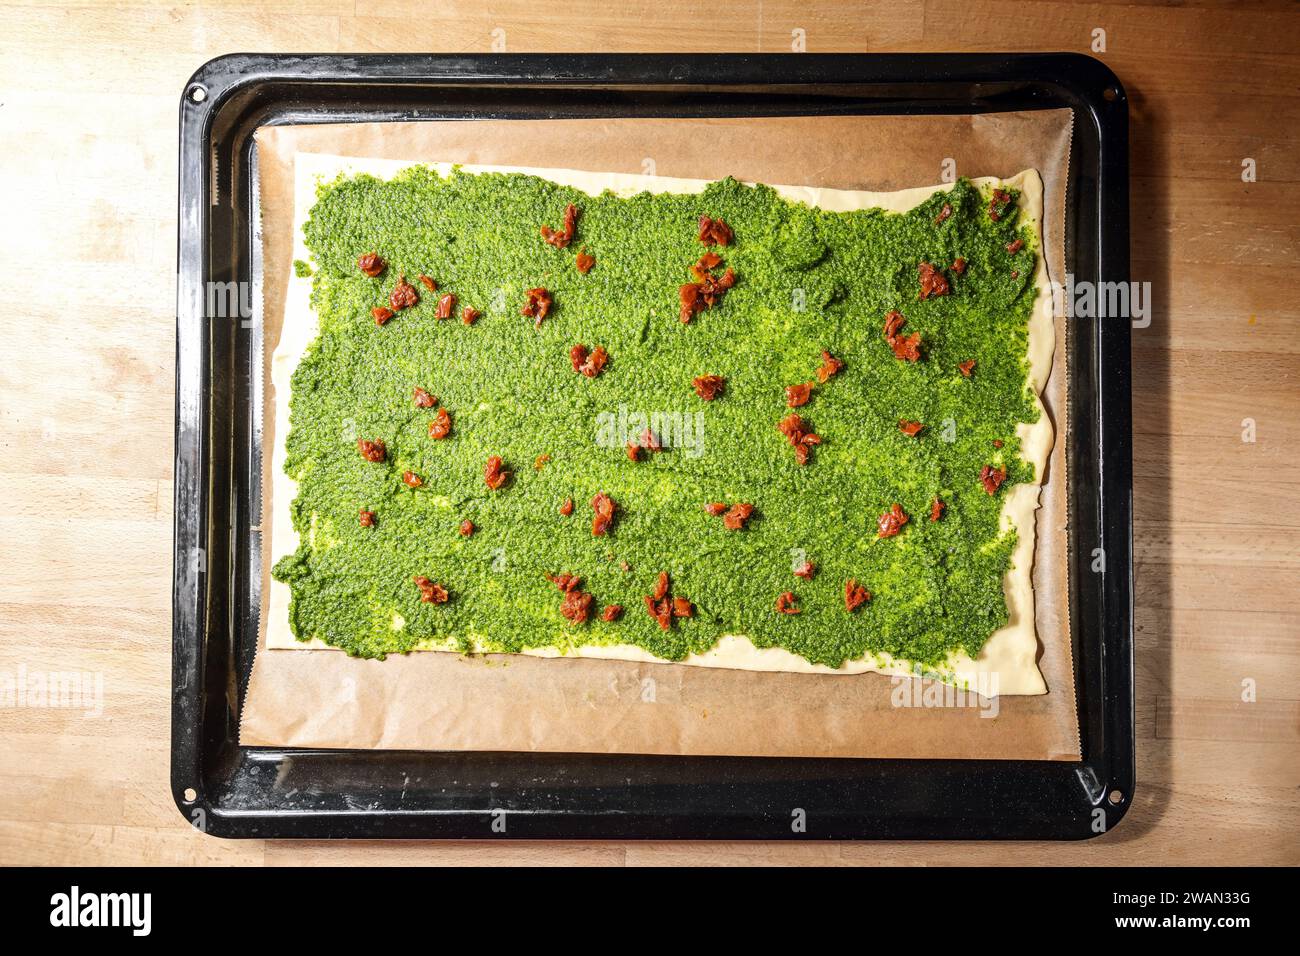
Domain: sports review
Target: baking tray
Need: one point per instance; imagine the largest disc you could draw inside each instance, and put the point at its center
(235, 791)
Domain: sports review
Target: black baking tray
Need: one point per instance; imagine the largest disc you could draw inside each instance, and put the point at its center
(235, 791)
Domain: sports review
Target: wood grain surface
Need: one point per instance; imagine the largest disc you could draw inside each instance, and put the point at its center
(88, 107)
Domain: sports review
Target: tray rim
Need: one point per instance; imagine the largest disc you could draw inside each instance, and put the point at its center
(223, 807)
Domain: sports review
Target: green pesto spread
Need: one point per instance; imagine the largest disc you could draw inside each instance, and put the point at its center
(807, 280)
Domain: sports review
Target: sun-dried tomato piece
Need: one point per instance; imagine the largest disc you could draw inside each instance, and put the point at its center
(566, 508)
(797, 433)
(403, 295)
(604, 507)
(715, 508)
(893, 322)
(430, 593)
(664, 613)
(381, 314)
(997, 443)
(469, 315)
(797, 395)
(367, 518)
(663, 607)
(374, 451)
(715, 232)
(707, 289)
(785, 603)
(371, 263)
(612, 612)
(538, 304)
(446, 304)
(944, 213)
(661, 611)
(494, 474)
(712, 287)
(709, 387)
(440, 426)
(1016, 246)
(576, 606)
(966, 367)
(412, 479)
(571, 213)
(428, 283)
(702, 270)
(595, 363)
(560, 238)
(891, 522)
(565, 582)
(855, 595)
(738, 516)
(423, 399)
(830, 366)
(691, 301)
(577, 356)
(959, 265)
(588, 364)
(584, 261)
(909, 428)
(932, 281)
(792, 427)
(646, 441)
(691, 296)
(998, 204)
(907, 348)
(937, 508)
(991, 478)
(1015, 273)
(805, 570)
(703, 265)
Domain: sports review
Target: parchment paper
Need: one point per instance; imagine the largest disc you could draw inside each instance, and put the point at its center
(439, 701)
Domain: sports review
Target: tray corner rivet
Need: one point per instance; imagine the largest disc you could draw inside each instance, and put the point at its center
(197, 94)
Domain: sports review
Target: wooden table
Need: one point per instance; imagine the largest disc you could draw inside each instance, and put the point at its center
(88, 106)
